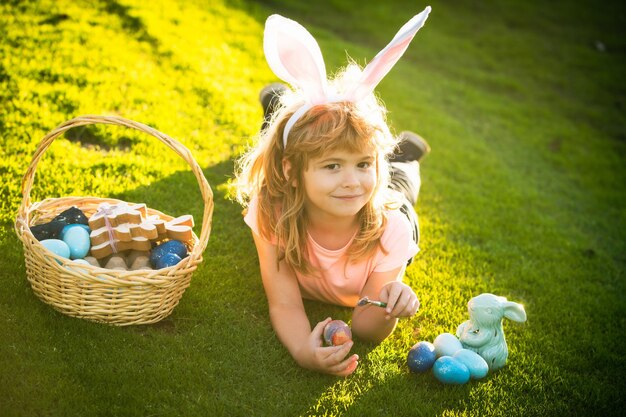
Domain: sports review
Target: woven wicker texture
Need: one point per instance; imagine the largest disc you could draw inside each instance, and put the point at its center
(98, 294)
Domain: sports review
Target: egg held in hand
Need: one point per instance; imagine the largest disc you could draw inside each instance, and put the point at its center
(336, 332)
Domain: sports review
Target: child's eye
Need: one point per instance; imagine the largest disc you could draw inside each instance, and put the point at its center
(365, 164)
(332, 166)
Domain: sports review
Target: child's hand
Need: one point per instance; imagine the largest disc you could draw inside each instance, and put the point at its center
(326, 359)
(400, 298)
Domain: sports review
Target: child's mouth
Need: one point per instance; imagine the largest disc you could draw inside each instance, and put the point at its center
(348, 197)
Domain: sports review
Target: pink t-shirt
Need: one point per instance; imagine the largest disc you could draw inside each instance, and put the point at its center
(340, 282)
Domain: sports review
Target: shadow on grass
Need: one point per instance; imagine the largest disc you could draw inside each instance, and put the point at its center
(216, 352)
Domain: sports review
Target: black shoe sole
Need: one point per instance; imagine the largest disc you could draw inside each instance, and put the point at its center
(412, 147)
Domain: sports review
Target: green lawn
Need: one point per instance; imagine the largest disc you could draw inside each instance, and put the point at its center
(524, 195)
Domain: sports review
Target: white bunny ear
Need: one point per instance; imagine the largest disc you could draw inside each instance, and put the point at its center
(514, 311)
(384, 61)
(295, 57)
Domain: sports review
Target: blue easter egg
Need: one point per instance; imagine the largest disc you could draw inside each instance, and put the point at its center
(450, 371)
(446, 344)
(421, 357)
(171, 246)
(477, 366)
(77, 238)
(69, 226)
(57, 247)
(167, 260)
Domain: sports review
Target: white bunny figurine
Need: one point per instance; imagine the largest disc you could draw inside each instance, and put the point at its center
(483, 332)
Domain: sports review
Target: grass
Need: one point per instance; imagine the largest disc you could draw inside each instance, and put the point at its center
(523, 196)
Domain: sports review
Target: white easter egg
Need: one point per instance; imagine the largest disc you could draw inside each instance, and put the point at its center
(446, 344)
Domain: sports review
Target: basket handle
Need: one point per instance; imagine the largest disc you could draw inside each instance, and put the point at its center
(181, 150)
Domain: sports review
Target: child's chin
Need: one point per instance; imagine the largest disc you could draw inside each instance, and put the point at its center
(348, 211)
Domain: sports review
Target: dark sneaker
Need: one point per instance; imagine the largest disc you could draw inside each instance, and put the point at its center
(269, 97)
(411, 147)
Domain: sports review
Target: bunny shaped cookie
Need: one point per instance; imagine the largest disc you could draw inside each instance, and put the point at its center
(295, 57)
(483, 332)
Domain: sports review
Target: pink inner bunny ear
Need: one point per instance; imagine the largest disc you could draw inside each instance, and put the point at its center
(294, 56)
(384, 61)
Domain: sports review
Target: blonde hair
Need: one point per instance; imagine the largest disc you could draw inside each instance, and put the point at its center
(356, 127)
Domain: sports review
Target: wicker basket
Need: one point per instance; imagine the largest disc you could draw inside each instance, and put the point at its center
(99, 294)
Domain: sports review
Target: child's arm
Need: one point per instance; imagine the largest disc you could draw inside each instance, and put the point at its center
(290, 322)
(375, 323)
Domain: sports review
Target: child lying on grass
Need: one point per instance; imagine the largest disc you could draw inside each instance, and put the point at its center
(328, 222)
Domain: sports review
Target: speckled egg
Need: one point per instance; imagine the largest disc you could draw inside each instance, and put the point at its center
(77, 239)
(450, 371)
(172, 246)
(336, 332)
(167, 260)
(477, 366)
(421, 357)
(57, 247)
(446, 344)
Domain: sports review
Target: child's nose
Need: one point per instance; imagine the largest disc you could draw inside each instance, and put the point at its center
(350, 179)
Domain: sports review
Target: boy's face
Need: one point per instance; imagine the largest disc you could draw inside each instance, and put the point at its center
(339, 184)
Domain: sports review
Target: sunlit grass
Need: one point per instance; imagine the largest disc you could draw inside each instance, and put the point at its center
(522, 196)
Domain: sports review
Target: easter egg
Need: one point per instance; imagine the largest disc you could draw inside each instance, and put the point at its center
(57, 247)
(336, 332)
(446, 344)
(52, 229)
(421, 357)
(167, 260)
(450, 371)
(77, 238)
(75, 269)
(477, 366)
(171, 246)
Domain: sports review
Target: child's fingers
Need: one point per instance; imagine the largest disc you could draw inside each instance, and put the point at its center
(335, 354)
(415, 306)
(394, 293)
(403, 303)
(410, 308)
(346, 367)
(318, 330)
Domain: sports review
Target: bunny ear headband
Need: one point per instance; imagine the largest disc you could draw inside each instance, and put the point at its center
(295, 57)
